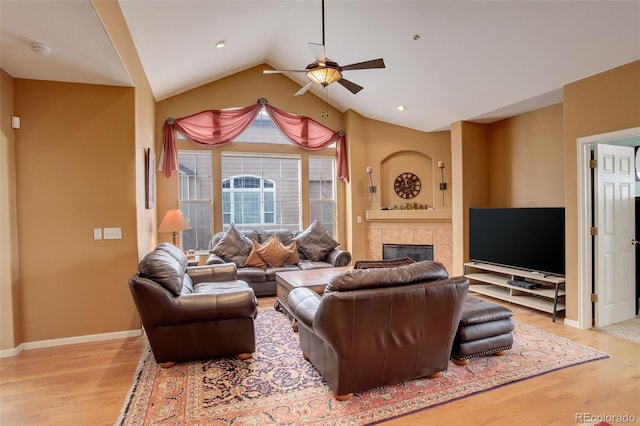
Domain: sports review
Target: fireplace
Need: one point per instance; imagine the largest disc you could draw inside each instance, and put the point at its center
(414, 251)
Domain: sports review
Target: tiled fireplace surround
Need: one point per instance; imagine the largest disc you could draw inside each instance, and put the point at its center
(438, 235)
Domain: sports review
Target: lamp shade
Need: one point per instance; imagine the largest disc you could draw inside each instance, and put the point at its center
(324, 75)
(173, 223)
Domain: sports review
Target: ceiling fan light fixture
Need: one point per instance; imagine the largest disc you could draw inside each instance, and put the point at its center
(324, 75)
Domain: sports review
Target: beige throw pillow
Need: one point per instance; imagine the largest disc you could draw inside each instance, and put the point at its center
(254, 258)
(273, 254)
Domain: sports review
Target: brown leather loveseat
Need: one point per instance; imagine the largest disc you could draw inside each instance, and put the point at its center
(192, 312)
(375, 327)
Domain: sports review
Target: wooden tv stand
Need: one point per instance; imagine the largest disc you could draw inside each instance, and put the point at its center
(491, 280)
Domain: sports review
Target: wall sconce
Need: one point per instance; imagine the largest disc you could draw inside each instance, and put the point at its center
(443, 184)
(372, 188)
(173, 223)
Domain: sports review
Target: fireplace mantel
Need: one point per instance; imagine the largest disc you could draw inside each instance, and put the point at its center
(435, 215)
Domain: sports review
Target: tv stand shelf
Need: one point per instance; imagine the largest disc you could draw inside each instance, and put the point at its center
(492, 281)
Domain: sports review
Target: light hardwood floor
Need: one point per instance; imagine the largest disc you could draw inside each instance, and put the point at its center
(86, 384)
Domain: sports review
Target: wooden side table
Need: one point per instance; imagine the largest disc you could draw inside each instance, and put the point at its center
(315, 279)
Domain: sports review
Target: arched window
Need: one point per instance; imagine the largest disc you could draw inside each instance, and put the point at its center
(248, 200)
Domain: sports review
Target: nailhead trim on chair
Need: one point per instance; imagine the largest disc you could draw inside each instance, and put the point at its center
(485, 353)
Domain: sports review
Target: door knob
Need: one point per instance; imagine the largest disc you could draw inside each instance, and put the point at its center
(635, 242)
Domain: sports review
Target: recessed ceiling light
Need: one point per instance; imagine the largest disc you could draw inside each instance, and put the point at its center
(221, 44)
(401, 107)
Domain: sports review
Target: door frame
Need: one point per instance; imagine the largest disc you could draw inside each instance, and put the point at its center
(585, 191)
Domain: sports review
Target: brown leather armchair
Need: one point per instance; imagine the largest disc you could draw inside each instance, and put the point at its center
(375, 327)
(192, 312)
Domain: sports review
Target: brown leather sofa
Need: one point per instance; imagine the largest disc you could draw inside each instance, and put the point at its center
(192, 312)
(263, 280)
(375, 327)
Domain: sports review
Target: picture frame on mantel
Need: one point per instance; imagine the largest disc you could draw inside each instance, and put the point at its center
(149, 178)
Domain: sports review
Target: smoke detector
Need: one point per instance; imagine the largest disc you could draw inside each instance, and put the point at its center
(41, 48)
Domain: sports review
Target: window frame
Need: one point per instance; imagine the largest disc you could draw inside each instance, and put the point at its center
(196, 201)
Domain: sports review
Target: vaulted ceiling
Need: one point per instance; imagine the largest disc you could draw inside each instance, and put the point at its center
(445, 60)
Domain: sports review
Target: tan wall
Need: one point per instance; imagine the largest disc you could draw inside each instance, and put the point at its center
(526, 159)
(111, 16)
(239, 90)
(357, 191)
(602, 103)
(10, 293)
(470, 182)
(76, 171)
(392, 150)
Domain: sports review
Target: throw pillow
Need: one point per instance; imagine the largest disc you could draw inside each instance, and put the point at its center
(315, 242)
(275, 254)
(254, 258)
(233, 246)
(293, 254)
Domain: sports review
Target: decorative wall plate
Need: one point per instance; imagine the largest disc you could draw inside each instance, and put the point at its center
(407, 185)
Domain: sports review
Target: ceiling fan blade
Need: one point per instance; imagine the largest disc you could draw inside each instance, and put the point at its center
(318, 52)
(304, 89)
(375, 63)
(350, 86)
(280, 71)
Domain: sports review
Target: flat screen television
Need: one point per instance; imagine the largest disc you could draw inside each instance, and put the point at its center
(530, 238)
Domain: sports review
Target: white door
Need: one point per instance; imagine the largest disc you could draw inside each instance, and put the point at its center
(614, 262)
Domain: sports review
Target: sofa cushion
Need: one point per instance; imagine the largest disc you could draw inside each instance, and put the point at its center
(284, 235)
(164, 269)
(233, 246)
(252, 275)
(315, 242)
(270, 273)
(306, 265)
(358, 279)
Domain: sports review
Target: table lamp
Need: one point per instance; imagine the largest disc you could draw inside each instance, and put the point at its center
(173, 223)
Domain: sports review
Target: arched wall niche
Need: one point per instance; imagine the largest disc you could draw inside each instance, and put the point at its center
(400, 162)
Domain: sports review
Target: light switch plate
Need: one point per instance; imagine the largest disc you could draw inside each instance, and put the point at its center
(112, 233)
(97, 233)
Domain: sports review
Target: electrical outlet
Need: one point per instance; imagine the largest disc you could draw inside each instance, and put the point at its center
(97, 233)
(112, 233)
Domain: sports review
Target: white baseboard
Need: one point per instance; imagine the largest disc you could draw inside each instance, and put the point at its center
(69, 341)
(4, 353)
(572, 323)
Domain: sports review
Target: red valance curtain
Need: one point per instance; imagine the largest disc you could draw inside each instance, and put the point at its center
(217, 127)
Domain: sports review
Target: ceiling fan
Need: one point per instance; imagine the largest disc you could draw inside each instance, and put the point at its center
(324, 71)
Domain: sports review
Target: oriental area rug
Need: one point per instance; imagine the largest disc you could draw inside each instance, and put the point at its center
(277, 386)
